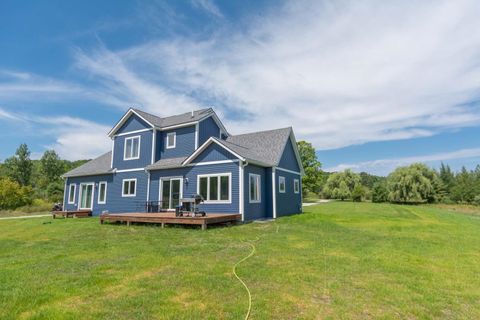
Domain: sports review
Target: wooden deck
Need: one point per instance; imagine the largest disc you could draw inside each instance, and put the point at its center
(170, 218)
(72, 214)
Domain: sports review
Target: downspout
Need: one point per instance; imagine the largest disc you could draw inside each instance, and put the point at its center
(148, 184)
(64, 193)
(274, 195)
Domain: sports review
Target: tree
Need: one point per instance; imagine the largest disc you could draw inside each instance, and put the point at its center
(380, 192)
(313, 178)
(19, 167)
(13, 195)
(51, 167)
(358, 193)
(334, 183)
(342, 192)
(447, 176)
(412, 184)
(464, 189)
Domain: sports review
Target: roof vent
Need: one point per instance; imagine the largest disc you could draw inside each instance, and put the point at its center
(192, 114)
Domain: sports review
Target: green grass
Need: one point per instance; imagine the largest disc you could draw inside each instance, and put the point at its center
(338, 260)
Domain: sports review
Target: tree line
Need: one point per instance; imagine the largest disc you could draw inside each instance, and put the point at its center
(23, 180)
(412, 184)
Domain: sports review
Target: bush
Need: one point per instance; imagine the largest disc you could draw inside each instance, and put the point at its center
(13, 195)
(38, 205)
(380, 192)
(358, 193)
(477, 200)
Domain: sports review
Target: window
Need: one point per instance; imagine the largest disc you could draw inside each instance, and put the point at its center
(102, 192)
(132, 148)
(281, 184)
(171, 140)
(296, 186)
(71, 193)
(129, 188)
(215, 188)
(254, 188)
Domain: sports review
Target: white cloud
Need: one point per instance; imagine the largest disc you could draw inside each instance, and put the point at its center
(385, 166)
(340, 72)
(209, 6)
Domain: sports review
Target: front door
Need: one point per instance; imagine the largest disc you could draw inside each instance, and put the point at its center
(86, 196)
(171, 192)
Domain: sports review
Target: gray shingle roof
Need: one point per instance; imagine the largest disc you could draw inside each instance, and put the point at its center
(166, 163)
(100, 165)
(175, 120)
(264, 146)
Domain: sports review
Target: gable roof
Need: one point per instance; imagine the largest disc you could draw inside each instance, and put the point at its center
(97, 166)
(166, 123)
(264, 148)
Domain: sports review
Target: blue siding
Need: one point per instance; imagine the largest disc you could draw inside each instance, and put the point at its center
(185, 143)
(207, 128)
(254, 211)
(145, 151)
(190, 188)
(288, 202)
(214, 152)
(288, 159)
(133, 123)
(115, 202)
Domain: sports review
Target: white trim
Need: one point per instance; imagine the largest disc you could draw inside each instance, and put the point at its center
(98, 196)
(259, 187)
(229, 174)
(125, 147)
(64, 193)
(129, 170)
(74, 193)
(123, 188)
(204, 146)
(113, 148)
(154, 147)
(274, 195)
(197, 133)
(186, 124)
(160, 189)
(148, 186)
(218, 122)
(124, 118)
(167, 145)
(80, 194)
(295, 183)
(241, 178)
(206, 163)
(289, 171)
(132, 132)
(280, 178)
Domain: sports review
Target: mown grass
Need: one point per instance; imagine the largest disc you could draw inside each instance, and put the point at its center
(338, 260)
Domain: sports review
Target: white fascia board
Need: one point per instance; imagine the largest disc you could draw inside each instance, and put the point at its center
(297, 154)
(124, 118)
(289, 171)
(186, 124)
(204, 146)
(218, 122)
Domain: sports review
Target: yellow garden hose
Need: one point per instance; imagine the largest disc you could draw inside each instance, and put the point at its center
(241, 281)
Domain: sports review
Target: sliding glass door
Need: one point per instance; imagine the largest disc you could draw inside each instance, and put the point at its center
(170, 192)
(86, 196)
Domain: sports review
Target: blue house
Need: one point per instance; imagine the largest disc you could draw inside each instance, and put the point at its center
(257, 175)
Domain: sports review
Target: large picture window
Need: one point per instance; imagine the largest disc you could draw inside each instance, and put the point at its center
(254, 188)
(71, 193)
(129, 188)
(132, 148)
(215, 188)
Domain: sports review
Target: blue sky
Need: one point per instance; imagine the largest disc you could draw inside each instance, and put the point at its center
(372, 85)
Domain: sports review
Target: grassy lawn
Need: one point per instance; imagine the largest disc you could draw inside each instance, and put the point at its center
(338, 260)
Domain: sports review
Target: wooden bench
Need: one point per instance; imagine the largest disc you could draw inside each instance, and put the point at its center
(72, 214)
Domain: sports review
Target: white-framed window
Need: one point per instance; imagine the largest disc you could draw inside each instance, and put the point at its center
(296, 185)
(254, 188)
(71, 193)
(215, 188)
(102, 192)
(132, 148)
(171, 140)
(129, 187)
(281, 184)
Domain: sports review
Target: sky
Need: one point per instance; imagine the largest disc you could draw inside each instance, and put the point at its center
(371, 84)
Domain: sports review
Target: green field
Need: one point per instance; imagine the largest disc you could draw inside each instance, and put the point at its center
(338, 260)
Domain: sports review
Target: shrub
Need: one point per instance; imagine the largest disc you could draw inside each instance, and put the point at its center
(13, 195)
(358, 193)
(37, 205)
(477, 200)
(380, 192)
